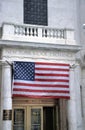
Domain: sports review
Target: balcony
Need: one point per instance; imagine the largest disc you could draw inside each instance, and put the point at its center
(37, 34)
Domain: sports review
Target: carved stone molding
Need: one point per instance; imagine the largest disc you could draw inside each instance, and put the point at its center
(19, 101)
(80, 58)
(17, 53)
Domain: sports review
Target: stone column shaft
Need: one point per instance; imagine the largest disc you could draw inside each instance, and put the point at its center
(74, 104)
(72, 117)
(77, 72)
(6, 97)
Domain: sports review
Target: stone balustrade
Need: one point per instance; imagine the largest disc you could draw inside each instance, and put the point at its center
(33, 33)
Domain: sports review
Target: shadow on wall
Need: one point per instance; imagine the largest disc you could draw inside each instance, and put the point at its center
(0, 32)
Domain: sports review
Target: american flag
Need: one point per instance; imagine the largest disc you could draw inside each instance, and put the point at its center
(41, 80)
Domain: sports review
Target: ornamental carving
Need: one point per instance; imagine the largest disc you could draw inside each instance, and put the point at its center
(35, 52)
(17, 54)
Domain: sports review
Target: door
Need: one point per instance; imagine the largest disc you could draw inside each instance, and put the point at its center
(36, 118)
(19, 119)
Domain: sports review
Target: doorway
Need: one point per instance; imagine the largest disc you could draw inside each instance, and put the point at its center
(34, 118)
(49, 118)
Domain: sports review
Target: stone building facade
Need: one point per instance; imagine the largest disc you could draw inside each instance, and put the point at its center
(42, 31)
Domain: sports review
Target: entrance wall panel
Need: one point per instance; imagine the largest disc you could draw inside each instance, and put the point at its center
(63, 114)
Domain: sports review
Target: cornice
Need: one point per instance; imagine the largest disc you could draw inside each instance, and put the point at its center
(48, 46)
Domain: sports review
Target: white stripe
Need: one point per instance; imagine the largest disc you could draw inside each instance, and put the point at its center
(38, 82)
(51, 72)
(52, 77)
(51, 66)
(41, 88)
(41, 94)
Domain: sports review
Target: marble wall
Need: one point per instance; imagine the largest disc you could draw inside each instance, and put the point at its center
(61, 14)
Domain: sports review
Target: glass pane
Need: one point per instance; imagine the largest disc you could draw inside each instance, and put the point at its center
(35, 119)
(18, 119)
(18, 128)
(35, 12)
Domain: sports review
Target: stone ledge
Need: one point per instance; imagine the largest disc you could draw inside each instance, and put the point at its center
(64, 47)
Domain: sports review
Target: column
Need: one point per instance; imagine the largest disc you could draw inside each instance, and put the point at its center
(0, 109)
(71, 106)
(77, 72)
(74, 104)
(6, 97)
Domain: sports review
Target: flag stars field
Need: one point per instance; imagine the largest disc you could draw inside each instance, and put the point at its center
(41, 80)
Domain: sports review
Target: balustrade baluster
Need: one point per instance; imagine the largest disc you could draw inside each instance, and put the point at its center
(45, 32)
(25, 31)
(59, 33)
(16, 30)
(42, 32)
(53, 32)
(33, 32)
(21, 30)
(36, 30)
(62, 33)
(28, 31)
(56, 33)
(49, 32)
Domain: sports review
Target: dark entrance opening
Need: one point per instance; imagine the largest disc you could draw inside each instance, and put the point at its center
(48, 118)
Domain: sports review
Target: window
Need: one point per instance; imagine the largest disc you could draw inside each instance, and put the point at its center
(18, 119)
(35, 12)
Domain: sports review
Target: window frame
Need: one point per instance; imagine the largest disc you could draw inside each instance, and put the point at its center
(28, 20)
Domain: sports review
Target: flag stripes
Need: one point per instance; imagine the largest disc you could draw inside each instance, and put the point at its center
(41, 80)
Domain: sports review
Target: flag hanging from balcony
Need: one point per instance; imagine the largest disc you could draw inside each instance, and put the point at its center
(41, 80)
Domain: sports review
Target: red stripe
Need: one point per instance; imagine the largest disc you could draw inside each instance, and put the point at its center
(46, 91)
(52, 69)
(45, 74)
(55, 80)
(41, 85)
(51, 80)
(40, 97)
(56, 64)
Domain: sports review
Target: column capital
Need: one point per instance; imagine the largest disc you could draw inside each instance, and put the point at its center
(5, 63)
(80, 57)
(73, 66)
